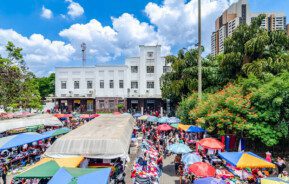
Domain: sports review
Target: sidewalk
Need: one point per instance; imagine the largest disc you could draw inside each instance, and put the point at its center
(168, 176)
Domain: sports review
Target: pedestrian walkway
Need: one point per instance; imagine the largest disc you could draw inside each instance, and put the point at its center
(168, 176)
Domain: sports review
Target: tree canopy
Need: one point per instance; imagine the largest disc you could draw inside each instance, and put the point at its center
(18, 87)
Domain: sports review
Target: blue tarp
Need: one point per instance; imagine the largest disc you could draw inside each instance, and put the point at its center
(19, 140)
(98, 176)
(195, 129)
(209, 180)
(61, 176)
(231, 157)
(51, 132)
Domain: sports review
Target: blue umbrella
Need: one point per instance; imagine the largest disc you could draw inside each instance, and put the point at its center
(163, 119)
(209, 180)
(152, 119)
(195, 129)
(179, 148)
(136, 115)
(174, 120)
(191, 158)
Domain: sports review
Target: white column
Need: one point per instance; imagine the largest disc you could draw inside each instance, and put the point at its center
(141, 109)
(162, 112)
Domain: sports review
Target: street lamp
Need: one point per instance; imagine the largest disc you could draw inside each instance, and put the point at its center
(199, 51)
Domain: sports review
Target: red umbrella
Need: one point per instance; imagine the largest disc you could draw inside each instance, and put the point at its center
(211, 143)
(202, 169)
(94, 115)
(164, 127)
(116, 113)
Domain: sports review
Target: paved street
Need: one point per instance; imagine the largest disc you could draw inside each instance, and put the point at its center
(168, 176)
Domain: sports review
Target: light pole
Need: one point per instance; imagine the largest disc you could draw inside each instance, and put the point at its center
(199, 51)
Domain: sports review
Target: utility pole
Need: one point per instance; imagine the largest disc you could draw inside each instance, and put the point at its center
(199, 51)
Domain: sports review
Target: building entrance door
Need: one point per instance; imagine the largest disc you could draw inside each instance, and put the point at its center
(134, 105)
(76, 105)
(150, 105)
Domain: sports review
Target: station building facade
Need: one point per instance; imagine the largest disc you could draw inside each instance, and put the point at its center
(136, 85)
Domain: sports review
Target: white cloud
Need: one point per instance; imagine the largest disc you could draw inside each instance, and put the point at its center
(39, 53)
(74, 9)
(177, 20)
(106, 43)
(46, 13)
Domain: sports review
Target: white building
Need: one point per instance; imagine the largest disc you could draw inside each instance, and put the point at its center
(136, 84)
(239, 13)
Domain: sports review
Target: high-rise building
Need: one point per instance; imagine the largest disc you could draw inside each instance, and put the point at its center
(239, 13)
(287, 29)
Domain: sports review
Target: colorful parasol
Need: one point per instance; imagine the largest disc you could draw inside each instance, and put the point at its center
(174, 120)
(245, 160)
(143, 117)
(152, 119)
(190, 158)
(163, 119)
(202, 169)
(164, 127)
(209, 180)
(211, 143)
(179, 148)
(273, 180)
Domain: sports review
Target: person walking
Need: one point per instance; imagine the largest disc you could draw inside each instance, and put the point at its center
(160, 162)
(280, 165)
(4, 173)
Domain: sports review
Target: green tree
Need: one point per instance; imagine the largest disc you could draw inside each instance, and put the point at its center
(182, 80)
(46, 85)
(252, 49)
(17, 86)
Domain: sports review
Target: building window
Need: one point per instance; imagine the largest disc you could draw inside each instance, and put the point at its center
(111, 84)
(150, 84)
(120, 83)
(150, 69)
(101, 83)
(89, 84)
(166, 69)
(134, 85)
(76, 84)
(120, 101)
(134, 69)
(63, 84)
(150, 54)
(101, 104)
(111, 104)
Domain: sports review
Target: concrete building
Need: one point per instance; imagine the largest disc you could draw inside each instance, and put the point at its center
(136, 84)
(237, 14)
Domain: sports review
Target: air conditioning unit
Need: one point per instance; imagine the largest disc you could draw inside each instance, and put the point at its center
(90, 92)
(89, 95)
(135, 91)
(147, 91)
(76, 95)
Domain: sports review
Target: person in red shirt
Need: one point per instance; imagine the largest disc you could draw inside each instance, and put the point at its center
(160, 162)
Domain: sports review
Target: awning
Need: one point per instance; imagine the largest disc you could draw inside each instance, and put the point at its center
(81, 176)
(47, 167)
(184, 127)
(245, 160)
(56, 132)
(105, 137)
(19, 140)
(40, 119)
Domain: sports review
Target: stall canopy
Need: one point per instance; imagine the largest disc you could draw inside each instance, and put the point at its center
(211, 143)
(56, 132)
(81, 176)
(195, 129)
(273, 180)
(19, 140)
(105, 137)
(184, 127)
(245, 160)
(47, 167)
(40, 119)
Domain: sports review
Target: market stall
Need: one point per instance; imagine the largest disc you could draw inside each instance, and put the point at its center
(105, 137)
(47, 167)
(81, 176)
(22, 123)
(56, 132)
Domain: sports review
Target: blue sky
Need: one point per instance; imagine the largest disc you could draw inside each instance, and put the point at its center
(50, 31)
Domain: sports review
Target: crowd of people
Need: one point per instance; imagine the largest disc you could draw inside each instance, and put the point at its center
(159, 141)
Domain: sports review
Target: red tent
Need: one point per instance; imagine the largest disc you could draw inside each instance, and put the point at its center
(164, 127)
(202, 169)
(211, 143)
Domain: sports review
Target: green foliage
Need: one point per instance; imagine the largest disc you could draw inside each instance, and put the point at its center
(183, 79)
(254, 108)
(120, 106)
(17, 85)
(46, 85)
(185, 107)
(252, 49)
